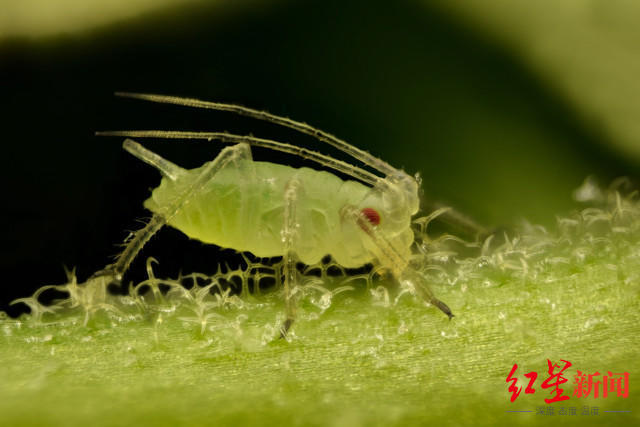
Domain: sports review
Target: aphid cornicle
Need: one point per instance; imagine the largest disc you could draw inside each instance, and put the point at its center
(271, 209)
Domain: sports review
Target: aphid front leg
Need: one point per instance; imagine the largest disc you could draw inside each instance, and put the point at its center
(289, 234)
(390, 257)
(135, 244)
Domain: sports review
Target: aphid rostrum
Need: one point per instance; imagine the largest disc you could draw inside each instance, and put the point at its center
(270, 209)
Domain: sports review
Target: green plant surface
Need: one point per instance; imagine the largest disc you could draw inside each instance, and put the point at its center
(359, 355)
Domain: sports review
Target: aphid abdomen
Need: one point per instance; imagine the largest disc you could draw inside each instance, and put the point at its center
(243, 208)
(319, 199)
(220, 213)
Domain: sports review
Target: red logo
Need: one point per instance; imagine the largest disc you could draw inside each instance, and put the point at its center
(584, 384)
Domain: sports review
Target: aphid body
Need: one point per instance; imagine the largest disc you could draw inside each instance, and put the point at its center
(242, 208)
(271, 209)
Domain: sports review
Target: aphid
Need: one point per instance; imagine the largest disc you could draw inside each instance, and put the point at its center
(271, 209)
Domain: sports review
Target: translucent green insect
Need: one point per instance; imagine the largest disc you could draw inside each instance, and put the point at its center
(270, 209)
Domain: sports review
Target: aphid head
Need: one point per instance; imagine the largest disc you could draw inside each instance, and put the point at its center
(402, 191)
(372, 215)
(389, 208)
(396, 201)
(392, 202)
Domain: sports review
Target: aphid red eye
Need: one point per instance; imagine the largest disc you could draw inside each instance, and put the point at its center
(372, 215)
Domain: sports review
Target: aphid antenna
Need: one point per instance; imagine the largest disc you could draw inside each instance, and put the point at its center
(170, 168)
(366, 158)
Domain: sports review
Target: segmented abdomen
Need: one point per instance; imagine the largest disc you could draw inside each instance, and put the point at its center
(243, 207)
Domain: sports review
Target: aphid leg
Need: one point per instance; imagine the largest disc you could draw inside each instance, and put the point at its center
(165, 167)
(289, 233)
(460, 222)
(423, 290)
(389, 256)
(116, 270)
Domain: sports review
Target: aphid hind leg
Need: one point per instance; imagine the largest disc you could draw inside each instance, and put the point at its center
(390, 257)
(289, 234)
(165, 167)
(137, 241)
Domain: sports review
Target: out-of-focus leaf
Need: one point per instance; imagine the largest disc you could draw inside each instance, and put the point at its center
(589, 51)
(49, 17)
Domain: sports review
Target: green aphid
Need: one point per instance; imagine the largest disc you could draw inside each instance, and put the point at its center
(270, 209)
